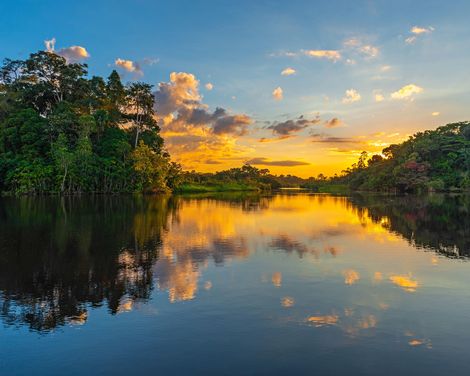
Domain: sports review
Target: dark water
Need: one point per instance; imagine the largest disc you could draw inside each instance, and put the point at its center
(238, 285)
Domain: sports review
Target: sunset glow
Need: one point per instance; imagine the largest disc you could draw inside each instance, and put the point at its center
(299, 90)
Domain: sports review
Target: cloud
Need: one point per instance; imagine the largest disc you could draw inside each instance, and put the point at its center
(417, 31)
(407, 92)
(421, 30)
(287, 128)
(129, 66)
(288, 72)
(232, 124)
(284, 163)
(332, 55)
(212, 161)
(351, 96)
(278, 94)
(209, 86)
(435, 113)
(357, 45)
(333, 123)
(193, 133)
(379, 97)
(385, 68)
(72, 54)
(50, 45)
(369, 50)
(327, 139)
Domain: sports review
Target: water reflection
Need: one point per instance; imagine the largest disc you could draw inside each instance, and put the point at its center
(436, 222)
(59, 258)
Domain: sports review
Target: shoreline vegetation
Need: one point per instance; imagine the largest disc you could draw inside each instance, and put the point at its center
(64, 133)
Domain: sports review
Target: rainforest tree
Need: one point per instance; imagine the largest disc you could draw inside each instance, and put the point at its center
(64, 132)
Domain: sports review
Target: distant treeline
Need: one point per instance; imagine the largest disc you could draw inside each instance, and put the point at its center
(63, 132)
(437, 160)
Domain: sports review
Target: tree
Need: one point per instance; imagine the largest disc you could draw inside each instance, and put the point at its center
(151, 169)
(140, 103)
(63, 159)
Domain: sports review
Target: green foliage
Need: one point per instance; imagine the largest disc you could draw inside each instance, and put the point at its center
(437, 160)
(65, 133)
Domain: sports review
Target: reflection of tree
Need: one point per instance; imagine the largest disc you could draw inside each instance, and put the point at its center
(61, 256)
(437, 222)
(58, 256)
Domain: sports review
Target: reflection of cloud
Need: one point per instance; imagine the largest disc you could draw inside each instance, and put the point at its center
(207, 285)
(276, 279)
(350, 276)
(125, 306)
(326, 320)
(287, 301)
(405, 282)
(287, 244)
(420, 342)
(79, 319)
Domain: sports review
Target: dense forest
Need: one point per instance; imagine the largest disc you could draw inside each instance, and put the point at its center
(434, 160)
(63, 132)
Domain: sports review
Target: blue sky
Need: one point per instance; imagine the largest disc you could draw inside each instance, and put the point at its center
(240, 47)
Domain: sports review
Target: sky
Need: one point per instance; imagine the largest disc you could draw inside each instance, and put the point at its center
(299, 87)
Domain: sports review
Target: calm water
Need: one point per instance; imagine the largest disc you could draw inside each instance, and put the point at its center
(285, 284)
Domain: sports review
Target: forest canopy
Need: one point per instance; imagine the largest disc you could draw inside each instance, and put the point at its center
(63, 132)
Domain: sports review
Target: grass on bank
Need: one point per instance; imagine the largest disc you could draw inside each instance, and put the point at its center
(221, 187)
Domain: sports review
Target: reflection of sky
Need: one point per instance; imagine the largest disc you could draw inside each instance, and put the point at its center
(265, 288)
(343, 243)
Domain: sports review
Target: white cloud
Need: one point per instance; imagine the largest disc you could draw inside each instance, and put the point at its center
(351, 96)
(50, 45)
(407, 92)
(369, 51)
(278, 93)
(421, 30)
(417, 31)
(209, 86)
(332, 55)
(72, 54)
(288, 71)
(385, 68)
(129, 66)
(435, 113)
(379, 97)
(357, 45)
